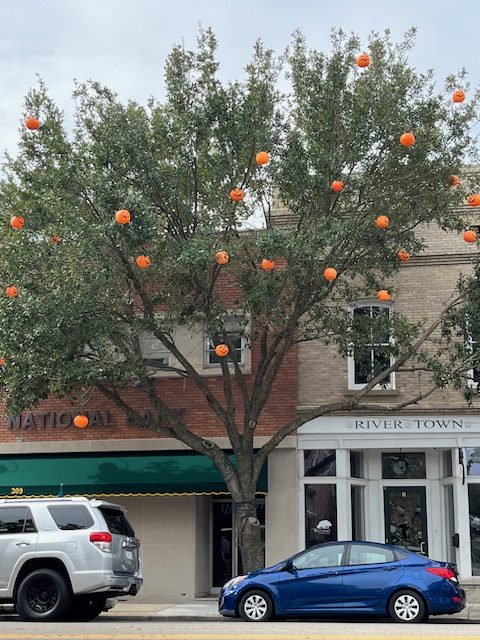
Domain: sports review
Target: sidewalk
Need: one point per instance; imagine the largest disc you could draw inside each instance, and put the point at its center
(206, 609)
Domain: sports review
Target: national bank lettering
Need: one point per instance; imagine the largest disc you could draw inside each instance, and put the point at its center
(415, 424)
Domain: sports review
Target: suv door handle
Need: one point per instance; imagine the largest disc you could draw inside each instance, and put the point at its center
(22, 544)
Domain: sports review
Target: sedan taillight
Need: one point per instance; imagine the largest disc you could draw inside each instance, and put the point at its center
(443, 572)
(102, 540)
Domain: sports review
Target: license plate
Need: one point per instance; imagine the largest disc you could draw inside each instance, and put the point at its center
(129, 555)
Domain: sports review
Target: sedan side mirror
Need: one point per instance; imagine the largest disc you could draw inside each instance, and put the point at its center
(289, 566)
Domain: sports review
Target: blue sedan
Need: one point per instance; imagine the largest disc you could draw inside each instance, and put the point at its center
(346, 578)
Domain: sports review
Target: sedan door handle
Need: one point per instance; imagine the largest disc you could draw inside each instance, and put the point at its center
(389, 568)
(332, 573)
(22, 544)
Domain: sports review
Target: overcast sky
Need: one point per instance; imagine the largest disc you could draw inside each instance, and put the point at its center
(123, 43)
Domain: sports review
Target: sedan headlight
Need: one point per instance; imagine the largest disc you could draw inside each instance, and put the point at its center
(233, 582)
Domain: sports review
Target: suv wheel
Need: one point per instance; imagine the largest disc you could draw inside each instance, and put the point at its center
(43, 596)
(85, 608)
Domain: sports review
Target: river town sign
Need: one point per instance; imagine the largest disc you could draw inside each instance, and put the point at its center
(397, 424)
(64, 419)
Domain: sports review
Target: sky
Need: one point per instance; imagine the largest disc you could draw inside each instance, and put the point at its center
(124, 43)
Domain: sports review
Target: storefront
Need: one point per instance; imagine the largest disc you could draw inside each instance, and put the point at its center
(177, 503)
(412, 480)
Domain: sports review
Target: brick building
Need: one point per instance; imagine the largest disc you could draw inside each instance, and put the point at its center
(411, 477)
(177, 501)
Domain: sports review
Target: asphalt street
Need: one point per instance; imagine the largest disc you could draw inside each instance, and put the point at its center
(109, 627)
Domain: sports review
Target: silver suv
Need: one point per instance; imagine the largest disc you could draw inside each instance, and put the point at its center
(61, 558)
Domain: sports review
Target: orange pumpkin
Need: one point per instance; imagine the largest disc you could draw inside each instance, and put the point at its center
(237, 195)
(221, 350)
(403, 255)
(454, 180)
(32, 123)
(407, 139)
(474, 200)
(268, 265)
(122, 216)
(382, 222)
(337, 186)
(222, 257)
(56, 239)
(330, 274)
(11, 292)
(262, 157)
(17, 222)
(470, 236)
(363, 60)
(80, 421)
(143, 262)
(458, 95)
(2, 362)
(383, 295)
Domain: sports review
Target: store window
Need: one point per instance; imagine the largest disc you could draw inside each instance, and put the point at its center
(474, 517)
(403, 466)
(320, 462)
(447, 469)
(320, 513)
(356, 464)
(358, 512)
(471, 338)
(370, 347)
(472, 457)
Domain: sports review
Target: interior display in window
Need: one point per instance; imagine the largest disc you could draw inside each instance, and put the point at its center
(406, 518)
(403, 465)
(370, 350)
(358, 512)
(320, 462)
(320, 513)
(474, 519)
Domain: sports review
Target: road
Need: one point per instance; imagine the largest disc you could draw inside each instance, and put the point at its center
(109, 627)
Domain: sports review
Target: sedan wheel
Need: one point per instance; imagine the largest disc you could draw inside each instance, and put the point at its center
(256, 606)
(407, 606)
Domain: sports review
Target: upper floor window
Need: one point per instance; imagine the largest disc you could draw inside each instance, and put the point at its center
(370, 346)
(471, 336)
(153, 351)
(234, 327)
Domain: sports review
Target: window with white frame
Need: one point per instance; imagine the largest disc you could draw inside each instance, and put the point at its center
(234, 327)
(473, 374)
(153, 351)
(372, 354)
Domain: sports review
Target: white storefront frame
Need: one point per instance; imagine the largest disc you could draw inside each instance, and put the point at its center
(431, 434)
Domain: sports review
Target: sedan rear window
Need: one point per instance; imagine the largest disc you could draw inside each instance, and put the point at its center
(71, 517)
(117, 522)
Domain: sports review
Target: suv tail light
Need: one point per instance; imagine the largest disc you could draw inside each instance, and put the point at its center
(102, 540)
(443, 572)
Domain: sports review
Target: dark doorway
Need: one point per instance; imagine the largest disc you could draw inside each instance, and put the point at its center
(406, 518)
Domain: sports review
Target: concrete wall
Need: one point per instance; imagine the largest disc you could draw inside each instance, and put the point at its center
(202, 545)
(281, 530)
(166, 528)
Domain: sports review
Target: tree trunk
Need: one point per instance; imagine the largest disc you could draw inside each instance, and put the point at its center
(248, 533)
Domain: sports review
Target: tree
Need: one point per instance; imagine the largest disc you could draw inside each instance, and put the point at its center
(83, 303)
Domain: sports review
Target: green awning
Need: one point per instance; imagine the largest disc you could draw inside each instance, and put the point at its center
(124, 474)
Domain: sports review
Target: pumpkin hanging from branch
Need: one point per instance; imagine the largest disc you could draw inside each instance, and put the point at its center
(17, 222)
(122, 216)
(458, 96)
(403, 255)
(474, 199)
(81, 421)
(237, 195)
(337, 186)
(383, 295)
(407, 139)
(330, 274)
(454, 180)
(268, 265)
(222, 350)
(143, 262)
(363, 60)
(262, 157)
(470, 236)
(222, 257)
(11, 292)
(382, 222)
(32, 123)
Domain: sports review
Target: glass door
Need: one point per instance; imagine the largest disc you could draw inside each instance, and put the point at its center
(406, 518)
(226, 557)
